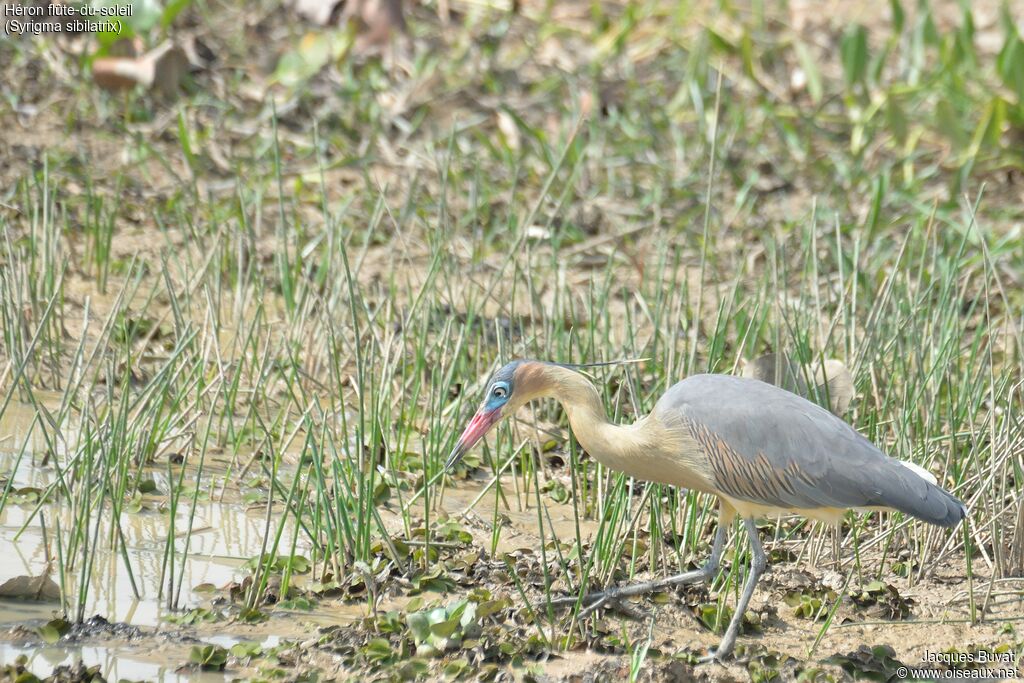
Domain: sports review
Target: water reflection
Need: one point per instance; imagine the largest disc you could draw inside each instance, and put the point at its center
(115, 663)
(224, 535)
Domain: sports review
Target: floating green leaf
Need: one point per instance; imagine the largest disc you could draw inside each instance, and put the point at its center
(209, 657)
(52, 630)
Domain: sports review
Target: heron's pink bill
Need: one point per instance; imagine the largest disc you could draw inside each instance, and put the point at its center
(478, 426)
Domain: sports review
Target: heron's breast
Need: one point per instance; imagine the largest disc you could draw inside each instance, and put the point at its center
(667, 468)
(652, 451)
(745, 508)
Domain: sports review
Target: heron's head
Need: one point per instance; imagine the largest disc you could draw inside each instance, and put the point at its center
(509, 388)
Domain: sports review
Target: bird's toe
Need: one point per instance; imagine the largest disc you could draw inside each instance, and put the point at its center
(712, 657)
(631, 612)
(588, 602)
(563, 601)
(620, 605)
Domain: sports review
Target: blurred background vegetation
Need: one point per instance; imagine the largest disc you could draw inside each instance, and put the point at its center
(265, 254)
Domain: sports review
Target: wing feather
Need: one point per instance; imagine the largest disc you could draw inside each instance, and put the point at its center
(771, 447)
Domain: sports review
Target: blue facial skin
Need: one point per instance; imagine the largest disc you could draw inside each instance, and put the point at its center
(498, 392)
(497, 395)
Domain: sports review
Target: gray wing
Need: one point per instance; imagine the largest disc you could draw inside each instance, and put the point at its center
(769, 446)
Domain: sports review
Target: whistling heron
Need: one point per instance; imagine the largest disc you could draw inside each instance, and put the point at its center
(759, 448)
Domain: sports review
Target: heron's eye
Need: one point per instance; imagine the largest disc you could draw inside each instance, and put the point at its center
(499, 392)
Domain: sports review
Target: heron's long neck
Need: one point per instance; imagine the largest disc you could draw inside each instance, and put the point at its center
(654, 448)
(610, 444)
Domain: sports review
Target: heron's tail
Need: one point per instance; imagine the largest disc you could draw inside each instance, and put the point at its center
(910, 492)
(955, 510)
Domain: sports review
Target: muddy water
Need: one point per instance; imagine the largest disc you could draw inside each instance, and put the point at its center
(224, 536)
(477, 500)
(116, 663)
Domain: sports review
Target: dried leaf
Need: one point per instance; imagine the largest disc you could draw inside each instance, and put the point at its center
(322, 12)
(312, 54)
(538, 232)
(509, 130)
(160, 69)
(831, 379)
(375, 20)
(840, 384)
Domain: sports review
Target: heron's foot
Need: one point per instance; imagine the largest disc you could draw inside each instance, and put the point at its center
(617, 593)
(724, 651)
(613, 597)
(610, 598)
(605, 601)
(590, 601)
(617, 604)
